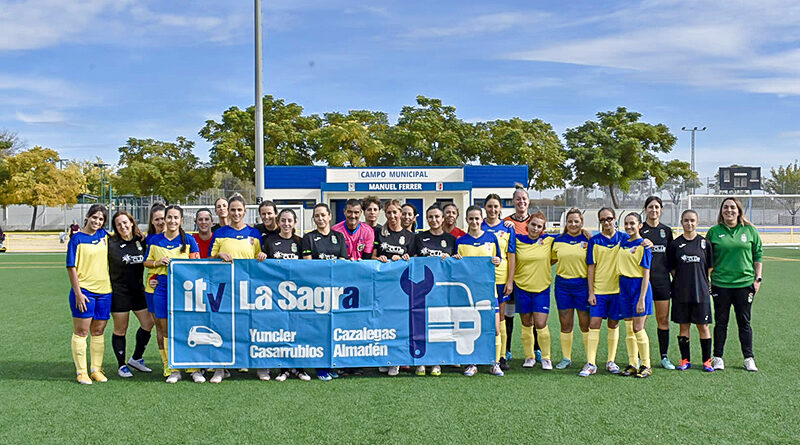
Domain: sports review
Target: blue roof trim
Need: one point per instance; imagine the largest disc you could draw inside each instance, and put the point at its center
(492, 176)
(294, 176)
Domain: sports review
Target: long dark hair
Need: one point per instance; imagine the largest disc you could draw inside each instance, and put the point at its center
(137, 234)
(182, 234)
(156, 207)
(94, 209)
(289, 211)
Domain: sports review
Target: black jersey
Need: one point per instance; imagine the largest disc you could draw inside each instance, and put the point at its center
(395, 243)
(428, 244)
(691, 260)
(215, 227)
(125, 265)
(265, 232)
(324, 247)
(280, 248)
(661, 236)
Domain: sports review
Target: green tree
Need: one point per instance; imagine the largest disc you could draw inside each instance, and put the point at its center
(785, 180)
(616, 149)
(94, 175)
(431, 134)
(285, 137)
(532, 143)
(167, 169)
(33, 178)
(353, 140)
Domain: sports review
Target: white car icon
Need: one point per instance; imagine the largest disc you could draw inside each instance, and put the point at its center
(203, 335)
(459, 324)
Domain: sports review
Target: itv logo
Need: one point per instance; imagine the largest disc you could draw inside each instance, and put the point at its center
(194, 296)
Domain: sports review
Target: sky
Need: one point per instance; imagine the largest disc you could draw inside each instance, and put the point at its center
(83, 76)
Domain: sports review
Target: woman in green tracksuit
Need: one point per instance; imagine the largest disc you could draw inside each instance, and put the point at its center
(736, 277)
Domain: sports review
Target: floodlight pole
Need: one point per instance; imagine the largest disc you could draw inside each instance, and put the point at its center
(259, 118)
(693, 130)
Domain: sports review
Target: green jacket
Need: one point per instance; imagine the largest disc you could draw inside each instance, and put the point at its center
(735, 251)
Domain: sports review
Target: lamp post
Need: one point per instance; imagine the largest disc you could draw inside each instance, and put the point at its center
(102, 167)
(259, 118)
(63, 206)
(693, 130)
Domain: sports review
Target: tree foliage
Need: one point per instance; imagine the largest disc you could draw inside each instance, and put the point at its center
(532, 143)
(167, 169)
(32, 178)
(286, 140)
(351, 140)
(785, 180)
(94, 176)
(10, 143)
(616, 149)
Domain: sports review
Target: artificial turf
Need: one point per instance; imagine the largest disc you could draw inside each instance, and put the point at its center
(40, 401)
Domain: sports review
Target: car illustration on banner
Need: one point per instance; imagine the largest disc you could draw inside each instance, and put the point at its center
(459, 324)
(203, 335)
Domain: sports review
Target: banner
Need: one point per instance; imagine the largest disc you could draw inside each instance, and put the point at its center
(331, 313)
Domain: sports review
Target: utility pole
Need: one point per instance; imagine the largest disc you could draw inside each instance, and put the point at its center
(693, 130)
(259, 118)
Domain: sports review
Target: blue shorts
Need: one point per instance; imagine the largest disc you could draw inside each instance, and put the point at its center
(528, 302)
(572, 293)
(98, 306)
(149, 297)
(500, 297)
(607, 306)
(160, 298)
(630, 290)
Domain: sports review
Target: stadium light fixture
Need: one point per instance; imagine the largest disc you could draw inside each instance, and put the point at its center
(259, 117)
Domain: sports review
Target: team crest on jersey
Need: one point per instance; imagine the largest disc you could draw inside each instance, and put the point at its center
(444, 243)
(662, 233)
(251, 239)
(488, 247)
(294, 248)
(334, 240)
(540, 241)
(633, 250)
(139, 245)
(703, 244)
(744, 238)
(584, 245)
(360, 247)
(402, 239)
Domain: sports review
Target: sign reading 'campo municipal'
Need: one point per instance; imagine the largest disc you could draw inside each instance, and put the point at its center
(330, 314)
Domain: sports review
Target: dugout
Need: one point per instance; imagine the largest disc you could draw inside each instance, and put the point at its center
(420, 186)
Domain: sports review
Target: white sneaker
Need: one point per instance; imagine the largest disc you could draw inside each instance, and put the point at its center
(139, 365)
(529, 363)
(124, 372)
(547, 364)
(263, 374)
(613, 367)
(495, 370)
(420, 370)
(750, 364)
(471, 370)
(198, 377)
(436, 371)
(301, 375)
(383, 369)
(220, 374)
(174, 376)
(718, 364)
(282, 376)
(393, 371)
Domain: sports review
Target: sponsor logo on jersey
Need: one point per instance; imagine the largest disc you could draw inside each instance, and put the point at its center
(658, 248)
(690, 258)
(681, 245)
(721, 235)
(317, 238)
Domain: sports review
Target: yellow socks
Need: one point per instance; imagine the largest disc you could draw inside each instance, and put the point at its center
(593, 340)
(630, 342)
(566, 345)
(585, 336)
(79, 353)
(97, 346)
(527, 341)
(165, 358)
(644, 347)
(503, 335)
(544, 342)
(498, 348)
(613, 341)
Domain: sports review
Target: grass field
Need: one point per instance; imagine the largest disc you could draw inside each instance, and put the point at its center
(39, 401)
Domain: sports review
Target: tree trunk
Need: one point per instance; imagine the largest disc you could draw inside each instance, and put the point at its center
(33, 220)
(613, 194)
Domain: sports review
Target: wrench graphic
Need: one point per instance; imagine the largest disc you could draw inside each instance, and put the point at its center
(416, 304)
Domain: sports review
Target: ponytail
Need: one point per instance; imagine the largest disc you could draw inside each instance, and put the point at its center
(183, 239)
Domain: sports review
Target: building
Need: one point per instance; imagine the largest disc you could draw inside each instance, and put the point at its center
(421, 186)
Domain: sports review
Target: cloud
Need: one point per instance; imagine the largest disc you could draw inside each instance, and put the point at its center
(488, 23)
(710, 44)
(44, 117)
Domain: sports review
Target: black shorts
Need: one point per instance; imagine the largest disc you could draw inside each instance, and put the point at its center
(696, 313)
(661, 293)
(128, 301)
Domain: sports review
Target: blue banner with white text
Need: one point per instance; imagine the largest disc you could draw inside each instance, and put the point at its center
(331, 313)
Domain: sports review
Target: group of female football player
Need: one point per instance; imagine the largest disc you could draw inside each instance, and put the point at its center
(613, 275)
